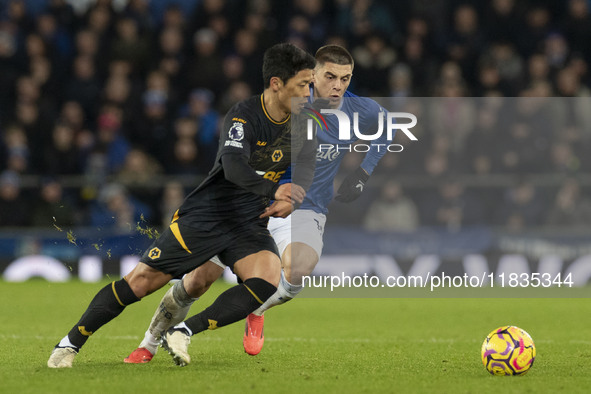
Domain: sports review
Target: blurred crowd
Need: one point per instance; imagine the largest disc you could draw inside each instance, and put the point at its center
(98, 98)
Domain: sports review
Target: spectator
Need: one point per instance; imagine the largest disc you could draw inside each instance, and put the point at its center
(53, 208)
(186, 159)
(373, 61)
(508, 63)
(564, 158)
(84, 87)
(172, 198)
(522, 207)
(171, 59)
(207, 118)
(577, 26)
(536, 29)
(139, 11)
(357, 19)
(14, 209)
(116, 209)
(62, 156)
(452, 207)
(571, 208)
(138, 174)
(110, 143)
(465, 40)
(206, 65)
(309, 22)
(400, 81)
(151, 128)
(503, 20)
(392, 211)
(556, 50)
(237, 91)
(54, 36)
(538, 69)
(130, 45)
(422, 64)
(247, 47)
(139, 170)
(73, 114)
(16, 150)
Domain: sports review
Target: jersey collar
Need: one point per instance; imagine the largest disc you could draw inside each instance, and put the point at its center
(267, 114)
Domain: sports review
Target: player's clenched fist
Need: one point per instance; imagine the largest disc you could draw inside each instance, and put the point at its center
(290, 192)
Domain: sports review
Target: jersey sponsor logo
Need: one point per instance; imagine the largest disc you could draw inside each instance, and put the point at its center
(154, 253)
(327, 154)
(239, 120)
(277, 155)
(274, 176)
(236, 132)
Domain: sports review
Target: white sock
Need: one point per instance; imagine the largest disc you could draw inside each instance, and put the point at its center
(173, 309)
(285, 292)
(150, 342)
(65, 342)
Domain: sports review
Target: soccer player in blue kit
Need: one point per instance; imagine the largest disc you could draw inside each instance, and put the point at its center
(299, 236)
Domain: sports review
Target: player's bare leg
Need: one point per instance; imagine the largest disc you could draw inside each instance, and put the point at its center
(174, 307)
(260, 273)
(108, 303)
(298, 260)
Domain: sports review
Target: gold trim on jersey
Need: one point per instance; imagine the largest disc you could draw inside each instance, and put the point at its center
(175, 217)
(267, 115)
(177, 234)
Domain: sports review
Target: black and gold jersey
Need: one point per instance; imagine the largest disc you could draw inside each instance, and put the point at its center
(254, 152)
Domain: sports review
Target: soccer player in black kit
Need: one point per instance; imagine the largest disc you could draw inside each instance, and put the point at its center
(226, 215)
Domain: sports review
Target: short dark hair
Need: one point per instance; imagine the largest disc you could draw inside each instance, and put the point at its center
(285, 61)
(334, 54)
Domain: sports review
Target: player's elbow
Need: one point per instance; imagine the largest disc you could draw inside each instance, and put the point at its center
(231, 176)
(230, 167)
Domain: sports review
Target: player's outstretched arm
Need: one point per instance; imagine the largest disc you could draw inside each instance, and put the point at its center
(238, 171)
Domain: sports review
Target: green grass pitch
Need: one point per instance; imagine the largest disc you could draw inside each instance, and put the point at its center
(339, 345)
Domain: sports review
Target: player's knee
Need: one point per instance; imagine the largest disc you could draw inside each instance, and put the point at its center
(265, 265)
(144, 280)
(272, 276)
(196, 285)
(198, 281)
(302, 261)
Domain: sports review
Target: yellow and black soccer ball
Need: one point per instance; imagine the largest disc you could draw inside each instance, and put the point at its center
(508, 351)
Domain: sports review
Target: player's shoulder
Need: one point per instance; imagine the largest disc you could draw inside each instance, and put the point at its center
(357, 103)
(245, 110)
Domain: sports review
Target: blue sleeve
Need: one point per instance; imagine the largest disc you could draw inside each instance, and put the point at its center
(286, 178)
(378, 148)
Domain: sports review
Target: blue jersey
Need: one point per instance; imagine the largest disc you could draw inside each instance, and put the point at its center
(321, 191)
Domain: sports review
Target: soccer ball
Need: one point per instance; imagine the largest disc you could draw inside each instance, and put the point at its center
(508, 350)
